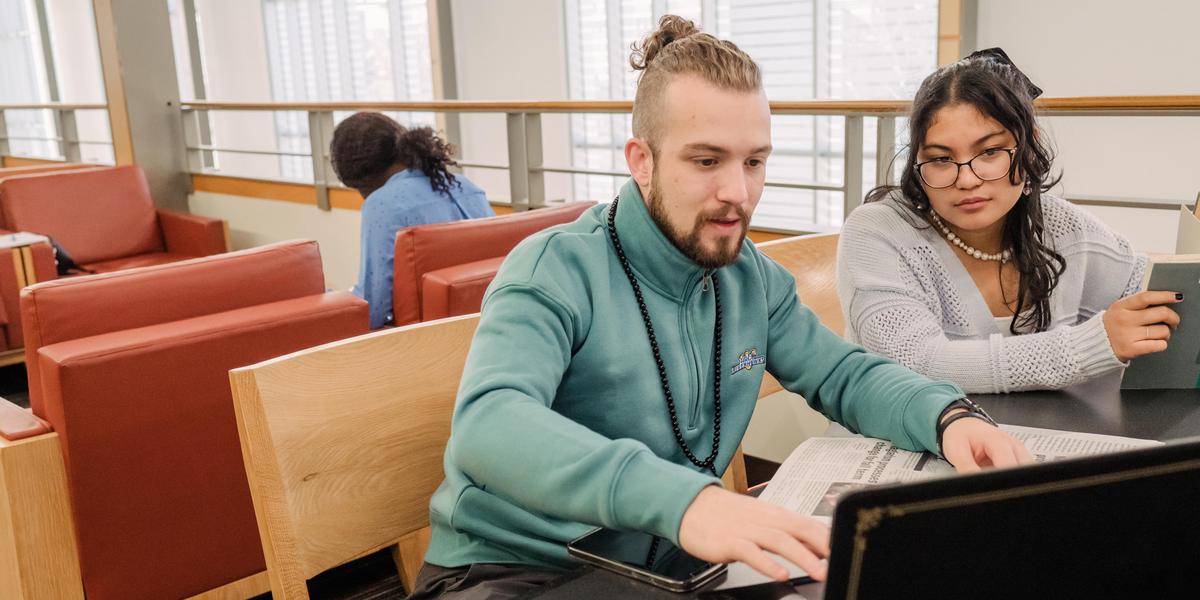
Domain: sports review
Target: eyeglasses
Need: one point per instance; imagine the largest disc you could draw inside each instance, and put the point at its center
(989, 165)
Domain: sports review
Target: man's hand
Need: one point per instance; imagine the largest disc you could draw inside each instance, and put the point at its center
(971, 444)
(721, 526)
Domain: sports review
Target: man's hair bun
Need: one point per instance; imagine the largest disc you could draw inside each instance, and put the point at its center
(670, 29)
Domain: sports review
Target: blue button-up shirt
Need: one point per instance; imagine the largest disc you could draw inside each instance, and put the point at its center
(405, 200)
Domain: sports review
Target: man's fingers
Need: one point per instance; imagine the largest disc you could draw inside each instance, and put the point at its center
(749, 553)
(1023, 455)
(958, 452)
(810, 533)
(785, 545)
(1000, 452)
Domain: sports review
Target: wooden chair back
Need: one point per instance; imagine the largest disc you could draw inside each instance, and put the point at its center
(343, 446)
(812, 260)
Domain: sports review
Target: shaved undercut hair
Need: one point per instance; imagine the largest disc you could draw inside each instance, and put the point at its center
(678, 47)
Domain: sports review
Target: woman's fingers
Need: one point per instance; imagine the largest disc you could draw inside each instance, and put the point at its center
(1148, 347)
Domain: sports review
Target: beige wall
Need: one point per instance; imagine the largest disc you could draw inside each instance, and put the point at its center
(254, 222)
(511, 51)
(234, 48)
(77, 61)
(1112, 48)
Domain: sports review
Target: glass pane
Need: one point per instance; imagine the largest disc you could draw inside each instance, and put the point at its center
(819, 49)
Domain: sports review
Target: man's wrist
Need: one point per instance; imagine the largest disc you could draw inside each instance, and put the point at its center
(963, 408)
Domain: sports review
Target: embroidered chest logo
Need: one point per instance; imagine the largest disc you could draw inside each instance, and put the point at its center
(747, 360)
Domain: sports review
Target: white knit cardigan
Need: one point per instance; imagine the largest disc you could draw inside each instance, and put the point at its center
(906, 295)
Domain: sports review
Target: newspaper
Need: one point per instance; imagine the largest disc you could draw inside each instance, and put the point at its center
(821, 469)
(21, 238)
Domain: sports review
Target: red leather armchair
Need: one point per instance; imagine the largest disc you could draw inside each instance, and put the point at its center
(442, 270)
(20, 266)
(105, 219)
(130, 369)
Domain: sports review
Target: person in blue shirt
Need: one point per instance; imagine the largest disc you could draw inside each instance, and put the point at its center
(403, 175)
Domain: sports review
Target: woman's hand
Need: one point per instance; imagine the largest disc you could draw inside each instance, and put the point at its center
(1141, 323)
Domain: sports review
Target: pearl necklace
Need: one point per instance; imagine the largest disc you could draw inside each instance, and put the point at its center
(957, 241)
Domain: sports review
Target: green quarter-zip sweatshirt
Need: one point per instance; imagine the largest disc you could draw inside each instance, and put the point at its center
(561, 424)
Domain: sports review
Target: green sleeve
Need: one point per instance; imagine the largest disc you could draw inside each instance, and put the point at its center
(509, 441)
(866, 393)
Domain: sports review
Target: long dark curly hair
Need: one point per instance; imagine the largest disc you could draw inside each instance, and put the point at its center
(990, 82)
(367, 144)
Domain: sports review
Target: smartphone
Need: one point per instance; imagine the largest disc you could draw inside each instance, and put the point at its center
(644, 557)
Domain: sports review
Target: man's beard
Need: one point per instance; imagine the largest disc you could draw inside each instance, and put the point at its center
(726, 253)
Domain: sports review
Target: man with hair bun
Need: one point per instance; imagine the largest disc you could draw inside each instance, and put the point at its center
(618, 358)
(404, 178)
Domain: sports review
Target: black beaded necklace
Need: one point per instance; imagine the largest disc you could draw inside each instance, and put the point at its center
(710, 462)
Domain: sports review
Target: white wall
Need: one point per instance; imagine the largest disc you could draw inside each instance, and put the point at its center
(80, 79)
(511, 51)
(1112, 48)
(233, 44)
(515, 51)
(254, 222)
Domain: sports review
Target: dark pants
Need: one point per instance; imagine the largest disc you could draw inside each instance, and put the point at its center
(478, 582)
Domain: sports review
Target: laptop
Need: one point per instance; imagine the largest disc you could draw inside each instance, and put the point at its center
(1123, 525)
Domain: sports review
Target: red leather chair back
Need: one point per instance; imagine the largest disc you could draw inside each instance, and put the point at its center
(143, 408)
(95, 215)
(79, 307)
(426, 248)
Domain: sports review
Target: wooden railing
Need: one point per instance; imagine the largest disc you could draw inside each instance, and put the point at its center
(526, 164)
(63, 114)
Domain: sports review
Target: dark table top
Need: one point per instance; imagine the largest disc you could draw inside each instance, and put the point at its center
(1100, 406)
(1097, 406)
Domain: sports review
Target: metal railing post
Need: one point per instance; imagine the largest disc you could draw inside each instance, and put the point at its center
(320, 133)
(518, 162)
(535, 177)
(885, 149)
(852, 185)
(192, 140)
(4, 149)
(68, 134)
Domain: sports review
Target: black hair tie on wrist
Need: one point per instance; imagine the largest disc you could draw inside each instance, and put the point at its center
(971, 410)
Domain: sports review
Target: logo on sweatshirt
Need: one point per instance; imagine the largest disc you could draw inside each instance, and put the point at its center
(747, 360)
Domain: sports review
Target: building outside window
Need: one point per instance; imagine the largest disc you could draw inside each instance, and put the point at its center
(814, 49)
(23, 81)
(337, 50)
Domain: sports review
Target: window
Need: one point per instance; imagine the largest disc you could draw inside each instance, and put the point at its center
(72, 50)
(23, 80)
(842, 49)
(330, 50)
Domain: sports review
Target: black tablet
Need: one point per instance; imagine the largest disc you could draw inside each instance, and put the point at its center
(1121, 525)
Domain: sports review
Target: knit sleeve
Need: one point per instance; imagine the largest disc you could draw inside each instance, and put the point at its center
(896, 299)
(1111, 268)
(1134, 285)
(907, 332)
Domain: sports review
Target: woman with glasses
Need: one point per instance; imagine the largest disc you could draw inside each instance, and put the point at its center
(969, 271)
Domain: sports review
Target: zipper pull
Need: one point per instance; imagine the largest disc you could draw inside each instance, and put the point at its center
(705, 280)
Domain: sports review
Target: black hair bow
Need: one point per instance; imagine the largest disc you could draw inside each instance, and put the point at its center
(1000, 57)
